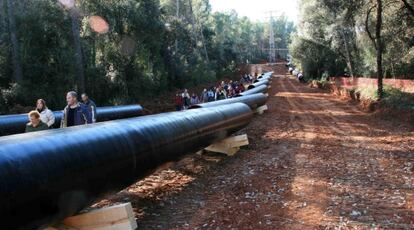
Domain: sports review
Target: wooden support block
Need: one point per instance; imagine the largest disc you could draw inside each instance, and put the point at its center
(200, 152)
(262, 109)
(229, 146)
(117, 217)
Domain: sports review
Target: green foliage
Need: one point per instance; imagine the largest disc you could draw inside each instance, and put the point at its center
(147, 50)
(397, 99)
(333, 36)
(368, 93)
(393, 98)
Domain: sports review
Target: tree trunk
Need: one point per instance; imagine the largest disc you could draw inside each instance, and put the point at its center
(194, 24)
(379, 49)
(204, 45)
(80, 75)
(177, 14)
(2, 22)
(409, 7)
(348, 53)
(17, 66)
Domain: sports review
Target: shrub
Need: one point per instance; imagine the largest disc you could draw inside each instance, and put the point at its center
(368, 93)
(395, 98)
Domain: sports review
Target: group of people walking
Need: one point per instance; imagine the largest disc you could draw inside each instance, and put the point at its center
(183, 100)
(75, 113)
(84, 112)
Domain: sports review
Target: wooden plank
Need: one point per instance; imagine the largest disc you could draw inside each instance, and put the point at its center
(223, 149)
(110, 218)
(237, 141)
(262, 109)
(229, 146)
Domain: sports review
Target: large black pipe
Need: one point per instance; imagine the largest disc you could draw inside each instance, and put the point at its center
(259, 89)
(265, 76)
(49, 175)
(258, 83)
(253, 101)
(15, 124)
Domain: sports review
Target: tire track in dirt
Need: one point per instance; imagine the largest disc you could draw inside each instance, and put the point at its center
(313, 162)
(351, 135)
(305, 207)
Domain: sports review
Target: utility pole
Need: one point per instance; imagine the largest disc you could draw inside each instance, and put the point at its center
(272, 48)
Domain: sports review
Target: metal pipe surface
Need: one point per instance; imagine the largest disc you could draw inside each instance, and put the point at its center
(259, 89)
(49, 175)
(259, 83)
(15, 124)
(253, 101)
(264, 78)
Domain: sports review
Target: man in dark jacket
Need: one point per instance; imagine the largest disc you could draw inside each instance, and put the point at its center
(75, 113)
(90, 105)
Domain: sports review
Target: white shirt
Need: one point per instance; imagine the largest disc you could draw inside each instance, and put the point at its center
(47, 117)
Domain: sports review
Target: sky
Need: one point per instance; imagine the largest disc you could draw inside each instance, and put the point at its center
(256, 9)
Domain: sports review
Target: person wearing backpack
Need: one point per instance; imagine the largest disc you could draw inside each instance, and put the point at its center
(75, 113)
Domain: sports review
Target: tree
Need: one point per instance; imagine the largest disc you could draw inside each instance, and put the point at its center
(17, 66)
(135, 59)
(354, 34)
(377, 41)
(409, 7)
(80, 74)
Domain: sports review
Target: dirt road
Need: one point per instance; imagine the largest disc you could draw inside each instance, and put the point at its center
(314, 162)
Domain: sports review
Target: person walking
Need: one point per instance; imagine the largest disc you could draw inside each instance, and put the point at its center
(220, 94)
(178, 101)
(46, 115)
(194, 99)
(75, 113)
(35, 124)
(204, 96)
(91, 106)
(230, 92)
(211, 94)
(186, 99)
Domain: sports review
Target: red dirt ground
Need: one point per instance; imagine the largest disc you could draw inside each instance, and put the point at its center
(314, 162)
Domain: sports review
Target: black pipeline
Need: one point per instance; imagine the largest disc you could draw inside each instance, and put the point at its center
(258, 89)
(253, 101)
(14, 124)
(259, 83)
(49, 175)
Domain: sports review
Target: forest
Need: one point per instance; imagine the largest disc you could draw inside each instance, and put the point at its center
(371, 38)
(121, 51)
